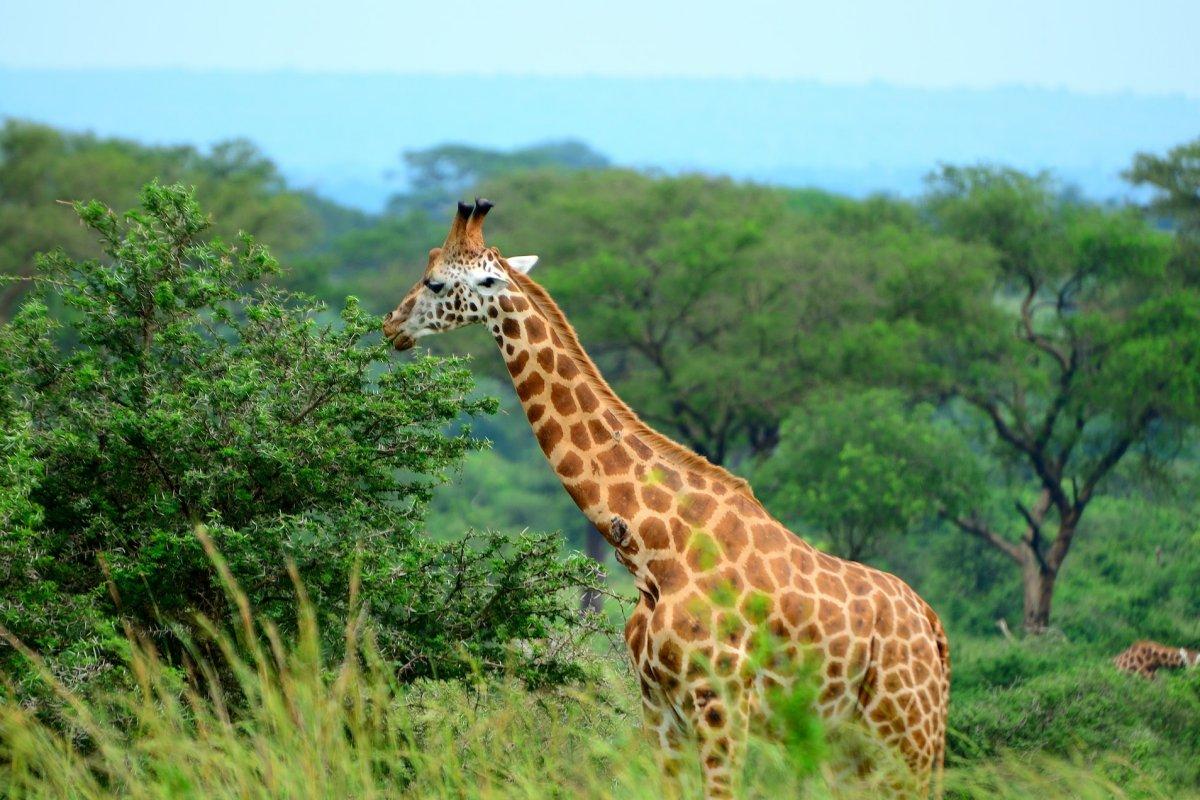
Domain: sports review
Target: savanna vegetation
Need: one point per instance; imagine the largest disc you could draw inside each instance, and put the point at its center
(246, 552)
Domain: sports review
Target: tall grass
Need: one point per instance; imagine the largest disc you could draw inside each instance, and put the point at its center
(279, 719)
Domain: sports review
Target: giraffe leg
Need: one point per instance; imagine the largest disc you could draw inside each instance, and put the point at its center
(720, 719)
(661, 722)
(667, 736)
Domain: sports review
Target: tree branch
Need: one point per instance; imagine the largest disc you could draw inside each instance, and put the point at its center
(1033, 521)
(974, 526)
(1109, 460)
(1056, 407)
(1033, 536)
(1003, 429)
(1039, 341)
(1051, 482)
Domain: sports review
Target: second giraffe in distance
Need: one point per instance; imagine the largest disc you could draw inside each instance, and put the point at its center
(1146, 658)
(713, 569)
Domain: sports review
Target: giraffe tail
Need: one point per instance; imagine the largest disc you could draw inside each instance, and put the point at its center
(939, 771)
(943, 648)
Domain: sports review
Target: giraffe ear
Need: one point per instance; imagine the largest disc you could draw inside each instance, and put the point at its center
(522, 264)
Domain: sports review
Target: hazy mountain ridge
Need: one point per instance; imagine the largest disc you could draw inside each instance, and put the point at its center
(342, 134)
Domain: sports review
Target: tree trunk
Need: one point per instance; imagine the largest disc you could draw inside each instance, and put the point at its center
(596, 549)
(1039, 592)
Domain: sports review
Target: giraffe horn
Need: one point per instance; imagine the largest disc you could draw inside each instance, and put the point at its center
(483, 206)
(459, 226)
(474, 229)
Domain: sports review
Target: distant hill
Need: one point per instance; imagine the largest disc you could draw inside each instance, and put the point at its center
(342, 135)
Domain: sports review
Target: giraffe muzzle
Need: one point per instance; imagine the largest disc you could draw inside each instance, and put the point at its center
(393, 333)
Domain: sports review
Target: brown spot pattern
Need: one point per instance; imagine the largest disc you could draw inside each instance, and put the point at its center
(530, 387)
(563, 399)
(549, 435)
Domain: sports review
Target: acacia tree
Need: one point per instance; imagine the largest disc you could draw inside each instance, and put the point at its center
(1074, 347)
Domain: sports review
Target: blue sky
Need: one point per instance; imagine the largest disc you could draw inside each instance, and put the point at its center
(1083, 45)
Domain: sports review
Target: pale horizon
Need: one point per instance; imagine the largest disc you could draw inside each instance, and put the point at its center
(1099, 47)
(816, 82)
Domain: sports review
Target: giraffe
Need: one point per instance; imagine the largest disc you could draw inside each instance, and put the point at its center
(715, 573)
(1146, 658)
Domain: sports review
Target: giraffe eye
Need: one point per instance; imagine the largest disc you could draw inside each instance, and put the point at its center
(487, 283)
(435, 286)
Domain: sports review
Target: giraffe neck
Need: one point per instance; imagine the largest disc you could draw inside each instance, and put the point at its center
(615, 467)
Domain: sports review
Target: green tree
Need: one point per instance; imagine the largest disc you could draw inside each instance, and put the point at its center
(862, 467)
(1175, 179)
(41, 167)
(198, 394)
(1073, 348)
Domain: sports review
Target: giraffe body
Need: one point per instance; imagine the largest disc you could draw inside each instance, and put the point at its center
(715, 573)
(1146, 658)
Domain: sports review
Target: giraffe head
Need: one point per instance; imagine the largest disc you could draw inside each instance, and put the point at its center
(462, 279)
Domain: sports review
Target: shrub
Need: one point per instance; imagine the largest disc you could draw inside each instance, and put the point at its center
(998, 664)
(1085, 706)
(1134, 576)
(179, 390)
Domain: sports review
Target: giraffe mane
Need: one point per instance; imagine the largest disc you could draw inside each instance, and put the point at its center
(663, 445)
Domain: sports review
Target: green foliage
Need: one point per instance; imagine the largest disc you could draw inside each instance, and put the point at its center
(508, 486)
(1134, 573)
(859, 469)
(199, 395)
(41, 168)
(31, 601)
(1069, 348)
(1083, 705)
(1154, 361)
(1175, 179)
(992, 666)
(19, 470)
